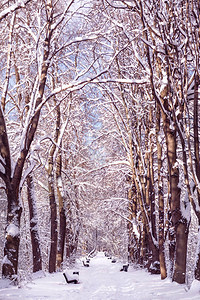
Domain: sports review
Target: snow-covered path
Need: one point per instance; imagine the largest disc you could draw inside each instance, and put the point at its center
(101, 281)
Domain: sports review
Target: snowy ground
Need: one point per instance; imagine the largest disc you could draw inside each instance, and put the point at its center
(101, 281)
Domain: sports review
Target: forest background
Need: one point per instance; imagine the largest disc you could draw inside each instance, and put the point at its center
(99, 134)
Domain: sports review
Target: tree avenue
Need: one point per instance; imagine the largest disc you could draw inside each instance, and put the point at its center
(99, 139)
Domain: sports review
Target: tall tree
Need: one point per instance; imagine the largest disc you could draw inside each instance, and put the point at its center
(12, 180)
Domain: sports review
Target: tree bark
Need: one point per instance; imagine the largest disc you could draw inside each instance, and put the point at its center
(163, 270)
(11, 247)
(197, 160)
(53, 218)
(61, 238)
(178, 222)
(151, 180)
(62, 217)
(133, 242)
(181, 252)
(35, 239)
(69, 240)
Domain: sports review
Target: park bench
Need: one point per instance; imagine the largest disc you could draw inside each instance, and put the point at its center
(71, 278)
(86, 263)
(76, 272)
(125, 268)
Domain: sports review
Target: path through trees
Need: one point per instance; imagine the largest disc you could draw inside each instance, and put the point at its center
(101, 281)
(99, 134)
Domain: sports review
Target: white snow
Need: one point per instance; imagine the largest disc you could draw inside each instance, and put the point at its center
(6, 261)
(12, 230)
(101, 281)
(12, 8)
(135, 230)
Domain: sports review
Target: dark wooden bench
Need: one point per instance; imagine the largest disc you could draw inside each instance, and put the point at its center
(125, 268)
(71, 279)
(85, 263)
(76, 272)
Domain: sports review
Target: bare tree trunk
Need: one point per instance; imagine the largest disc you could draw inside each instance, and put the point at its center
(71, 235)
(35, 239)
(11, 247)
(62, 217)
(178, 222)
(181, 252)
(61, 238)
(197, 159)
(69, 240)
(197, 267)
(150, 207)
(152, 197)
(53, 218)
(151, 180)
(163, 270)
(133, 242)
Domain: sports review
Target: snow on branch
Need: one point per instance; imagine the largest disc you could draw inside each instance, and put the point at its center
(115, 163)
(84, 38)
(63, 15)
(14, 7)
(27, 172)
(80, 84)
(6, 261)
(121, 5)
(135, 230)
(62, 130)
(43, 185)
